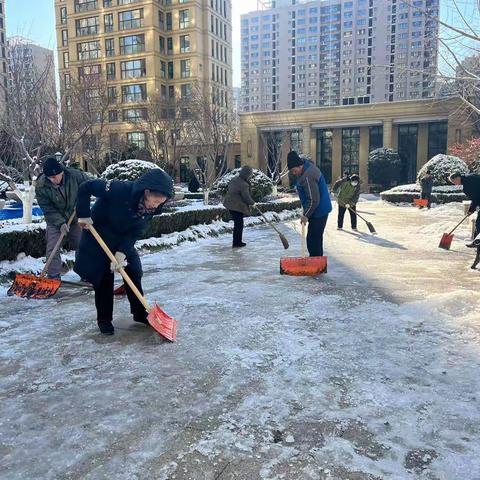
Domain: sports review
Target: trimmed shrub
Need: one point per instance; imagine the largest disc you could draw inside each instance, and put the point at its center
(32, 241)
(442, 166)
(127, 170)
(383, 166)
(407, 193)
(260, 185)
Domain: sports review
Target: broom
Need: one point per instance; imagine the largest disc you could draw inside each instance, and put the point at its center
(369, 224)
(157, 318)
(447, 238)
(283, 238)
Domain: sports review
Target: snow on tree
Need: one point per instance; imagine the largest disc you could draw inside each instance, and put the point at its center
(442, 166)
(128, 170)
(260, 185)
(383, 166)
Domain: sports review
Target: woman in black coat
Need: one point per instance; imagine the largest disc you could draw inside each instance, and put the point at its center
(120, 215)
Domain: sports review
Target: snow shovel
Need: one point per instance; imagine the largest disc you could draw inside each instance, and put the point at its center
(283, 238)
(420, 202)
(303, 266)
(39, 287)
(157, 318)
(447, 238)
(369, 224)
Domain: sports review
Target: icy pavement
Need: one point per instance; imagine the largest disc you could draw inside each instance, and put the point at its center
(369, 372)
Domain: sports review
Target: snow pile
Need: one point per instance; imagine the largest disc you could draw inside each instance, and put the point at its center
(415, 188)
(260, 185)
(442, 166)
(127, 170)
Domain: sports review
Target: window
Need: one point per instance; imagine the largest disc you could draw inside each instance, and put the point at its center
(376, 138)
(169, 46)
(134, 93)
(185, 68)
(85, 5)
(186, 90)
(113, 116)
(63, 15)
(350, 150)
(184, 19)
(163, 69)
(238, 161)
(162, 44)
(132, 44)
(437, 138)
(88, 50)
(171, 72)
(324, 153)
(161, 20)
(67, 80)
(66, 61)
(169, 22)
(139, 139)
(133, 69)
(108, 23)
(112, 94)
(110, 47)
(184, 43)
(134, 114)
(130, 19)
(111, 71)
(87, 26)
(89, 72)
(64, 38)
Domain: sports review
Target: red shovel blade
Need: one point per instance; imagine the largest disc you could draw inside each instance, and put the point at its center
(446, 241)
(31, 286)
(163, 323)
(420, 202)
(309, 266)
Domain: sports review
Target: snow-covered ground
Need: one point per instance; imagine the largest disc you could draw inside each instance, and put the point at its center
(369, 372)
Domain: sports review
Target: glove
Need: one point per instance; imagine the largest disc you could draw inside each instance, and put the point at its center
(304, 220)
(85, 222)
(121, 259)
(64, 229)
(347, 206)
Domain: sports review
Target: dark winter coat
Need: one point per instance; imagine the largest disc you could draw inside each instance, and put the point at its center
(471, 188)
(313, 192)
(427, 184)
(115, 216)
(238, 197)
(58, 203)
(346, 193)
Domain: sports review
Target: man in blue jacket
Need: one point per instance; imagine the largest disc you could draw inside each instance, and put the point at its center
(313, 192)
(120, 215)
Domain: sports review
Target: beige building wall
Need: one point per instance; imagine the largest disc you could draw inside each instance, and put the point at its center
(207, 60)
(391, 116)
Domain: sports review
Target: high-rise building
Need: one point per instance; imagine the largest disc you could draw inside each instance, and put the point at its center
(142, 48)
(3, 58)
(304, 54)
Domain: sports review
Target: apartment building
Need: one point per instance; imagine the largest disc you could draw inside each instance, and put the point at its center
(142, 48)
(3, 58)
(305, 54)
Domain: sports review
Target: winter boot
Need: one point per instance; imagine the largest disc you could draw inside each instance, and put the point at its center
(141, 319)
(475, 243)
(240, 245)
(106, 327)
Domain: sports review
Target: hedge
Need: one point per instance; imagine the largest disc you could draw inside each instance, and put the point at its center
(407, 197)
(32, 241)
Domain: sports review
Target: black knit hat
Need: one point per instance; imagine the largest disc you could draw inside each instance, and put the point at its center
(51, 167)
(293, 160)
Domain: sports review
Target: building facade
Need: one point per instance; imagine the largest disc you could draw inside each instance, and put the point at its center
(3, 58)
(341, 138)
(144, 48)
(303, 54)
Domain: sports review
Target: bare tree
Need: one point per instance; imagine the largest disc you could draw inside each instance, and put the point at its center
(274, 144)
(211, 129)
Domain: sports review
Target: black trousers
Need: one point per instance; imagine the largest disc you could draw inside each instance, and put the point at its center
(477, 224)
(341, 216)
(104, 297)
(316, 227)
(237, 227)
(427, 196)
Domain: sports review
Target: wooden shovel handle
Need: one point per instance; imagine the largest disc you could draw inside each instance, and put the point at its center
(57, 246)
(122, 271)
(459, 223)
(304, 228)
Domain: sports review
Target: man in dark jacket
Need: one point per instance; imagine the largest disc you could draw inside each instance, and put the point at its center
(56, 192)
(347, 191)
(427, 186)
(238, 201)
(471, 188)
(313, 192)
(120, 215)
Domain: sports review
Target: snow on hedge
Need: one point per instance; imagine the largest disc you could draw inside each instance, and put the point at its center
(128, 170)
(261, 185)
(442, 166)
(415, 188)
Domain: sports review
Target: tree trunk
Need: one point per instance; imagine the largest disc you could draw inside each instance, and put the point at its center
(206, 195)
(27, 202)
(275, 190)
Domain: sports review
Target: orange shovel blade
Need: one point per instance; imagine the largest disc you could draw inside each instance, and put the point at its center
(309, 266)
(31, 286)
(163, 323)
(420, 202)
(446, 241)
